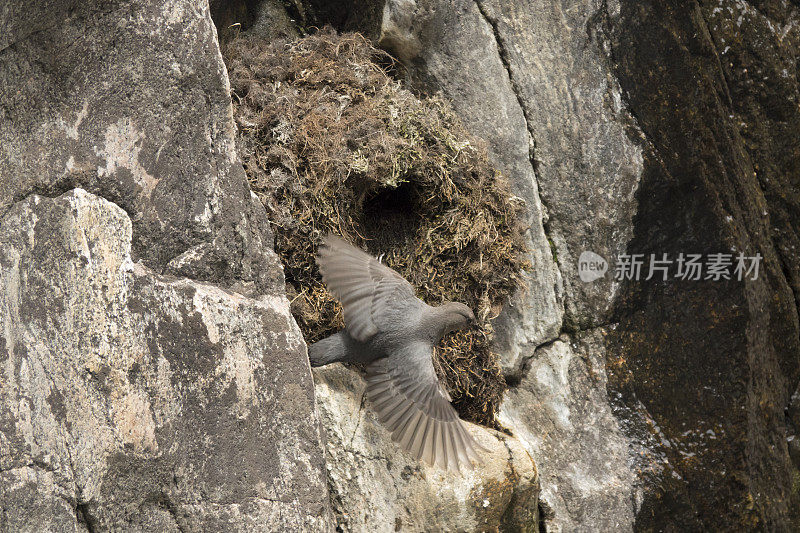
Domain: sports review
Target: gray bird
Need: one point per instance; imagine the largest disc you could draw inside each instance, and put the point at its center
(393, 332)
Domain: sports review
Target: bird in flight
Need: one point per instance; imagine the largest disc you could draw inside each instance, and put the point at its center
(393, 333)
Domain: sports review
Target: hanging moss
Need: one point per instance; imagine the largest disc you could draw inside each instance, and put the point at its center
(332, 144)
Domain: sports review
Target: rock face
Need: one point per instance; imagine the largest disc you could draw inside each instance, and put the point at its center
(136, 402)
(267, 19)
(153, 379)
(375, 486)
(128, 400)
(450, 47)
(141, 116)
(644, 128)
(710, 366)
(562, 412)
(535, 83)
(531, 79)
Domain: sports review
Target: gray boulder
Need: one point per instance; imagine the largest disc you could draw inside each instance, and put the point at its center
(131, 401)
(376, 486)
(130, 100)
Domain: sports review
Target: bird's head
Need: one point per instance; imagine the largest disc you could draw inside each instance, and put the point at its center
(458, 316)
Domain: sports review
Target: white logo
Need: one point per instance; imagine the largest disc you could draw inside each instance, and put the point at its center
(591, 266)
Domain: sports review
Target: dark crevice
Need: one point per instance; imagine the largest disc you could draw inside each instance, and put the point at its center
(514, 473)
(545, 513)
(517, 512)
(297, 13)
(373, 458)
(335, 501)
(515, 88)
(73, 180)
(170, 507)
(83, 515)
(358, 416)
(514, 378)
(85, 518)
(532, 146)
(505, 60)
(546, 344)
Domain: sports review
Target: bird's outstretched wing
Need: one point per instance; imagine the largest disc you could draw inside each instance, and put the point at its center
(406, 394)
(374, 297)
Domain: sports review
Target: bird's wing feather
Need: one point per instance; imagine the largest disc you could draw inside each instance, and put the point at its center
(371, 293)
(406, 394)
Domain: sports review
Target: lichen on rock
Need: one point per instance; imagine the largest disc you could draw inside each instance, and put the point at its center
(131, 401)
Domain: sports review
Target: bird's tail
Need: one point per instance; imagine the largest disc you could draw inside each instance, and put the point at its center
(328, 350)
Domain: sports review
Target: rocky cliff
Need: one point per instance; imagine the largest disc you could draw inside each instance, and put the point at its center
(636, 128)
(152, 376)
(154, 379)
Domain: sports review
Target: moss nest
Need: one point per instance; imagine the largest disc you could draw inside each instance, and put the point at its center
(333, 144)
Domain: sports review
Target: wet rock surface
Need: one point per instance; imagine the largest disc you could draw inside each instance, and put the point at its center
(710, 365)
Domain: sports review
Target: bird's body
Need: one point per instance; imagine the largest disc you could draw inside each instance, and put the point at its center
(393, 332)
(340, 348)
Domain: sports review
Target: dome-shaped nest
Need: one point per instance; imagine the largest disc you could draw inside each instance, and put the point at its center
(333, 144)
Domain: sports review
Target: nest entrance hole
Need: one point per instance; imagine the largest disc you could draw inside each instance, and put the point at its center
(390, 216)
